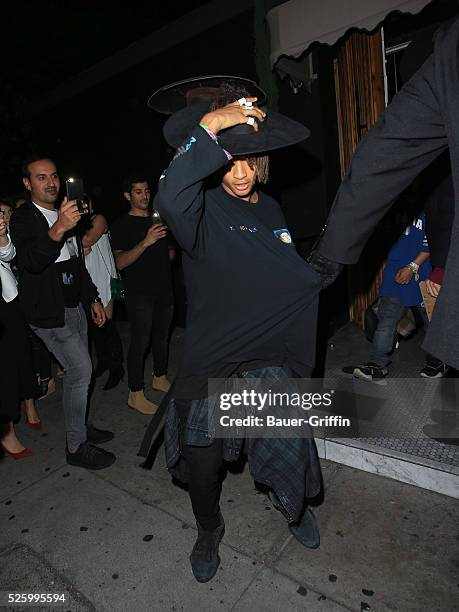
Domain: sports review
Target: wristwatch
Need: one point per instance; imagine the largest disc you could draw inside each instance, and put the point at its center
(414, 267)
(96, 300)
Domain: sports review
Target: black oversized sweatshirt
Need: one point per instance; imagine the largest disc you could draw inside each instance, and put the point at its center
(252, 300)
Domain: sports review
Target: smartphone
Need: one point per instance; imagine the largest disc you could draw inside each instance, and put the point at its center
(156, 217)
(75, 191)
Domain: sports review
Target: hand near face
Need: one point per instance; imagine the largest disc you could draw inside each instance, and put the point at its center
(232, 114)
(68, 215)
(404, 276)
(3, 226)
(154, 233)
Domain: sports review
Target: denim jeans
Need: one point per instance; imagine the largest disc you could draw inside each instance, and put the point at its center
(390, 311)
(69, 344)
(150, 318)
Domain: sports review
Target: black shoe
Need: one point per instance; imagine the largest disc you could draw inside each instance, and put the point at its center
(370, 371)
(90, 457)
(306, 531)
(98, 436)
(434, 371)
(204, 556)
(113, 379)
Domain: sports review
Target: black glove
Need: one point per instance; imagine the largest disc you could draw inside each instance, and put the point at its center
(327, 269)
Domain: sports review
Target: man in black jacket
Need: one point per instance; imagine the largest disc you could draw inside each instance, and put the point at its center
(53, 286)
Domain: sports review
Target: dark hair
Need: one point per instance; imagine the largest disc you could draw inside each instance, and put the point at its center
(230, 92)
(30, 159)
(129, 181)
(6, 202)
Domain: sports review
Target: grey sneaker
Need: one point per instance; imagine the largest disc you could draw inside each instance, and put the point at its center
(204, 556)
(90, 457)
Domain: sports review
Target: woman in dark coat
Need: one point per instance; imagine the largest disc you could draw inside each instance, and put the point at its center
(17, 378)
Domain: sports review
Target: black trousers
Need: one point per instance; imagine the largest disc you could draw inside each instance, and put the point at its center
(18, 380)
(109, 349)
(150, 318)
(41, 357)
(205, 467)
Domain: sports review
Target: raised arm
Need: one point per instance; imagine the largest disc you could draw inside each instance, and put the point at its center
(7, 250)
(123, 259)
(98, 228)
(37, 251)
(179, 198)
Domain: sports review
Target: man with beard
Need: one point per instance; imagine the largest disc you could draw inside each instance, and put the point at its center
(142, 256)
(54, 286)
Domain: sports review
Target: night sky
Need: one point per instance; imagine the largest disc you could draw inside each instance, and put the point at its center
(43, 44)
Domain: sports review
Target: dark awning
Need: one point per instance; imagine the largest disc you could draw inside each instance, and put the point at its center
(296, 24)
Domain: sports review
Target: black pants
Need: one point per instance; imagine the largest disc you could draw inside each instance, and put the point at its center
(109, 349)
(149, 320)
(17, 376)
(40, 356)
(205, 467)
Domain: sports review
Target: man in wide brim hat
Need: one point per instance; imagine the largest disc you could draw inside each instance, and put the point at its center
(187, 102)
(252, 300)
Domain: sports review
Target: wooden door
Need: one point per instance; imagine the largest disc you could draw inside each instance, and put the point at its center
(359, 87)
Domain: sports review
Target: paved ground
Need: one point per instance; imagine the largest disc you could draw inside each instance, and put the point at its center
(119, 539)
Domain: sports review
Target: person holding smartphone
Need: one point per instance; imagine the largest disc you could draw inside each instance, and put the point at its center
(140, 245)
(54, 291)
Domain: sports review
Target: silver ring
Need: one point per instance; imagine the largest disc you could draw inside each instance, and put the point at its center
(250, 121)
(245, 103)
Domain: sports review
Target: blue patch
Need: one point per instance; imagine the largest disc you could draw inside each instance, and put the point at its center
(283, 234)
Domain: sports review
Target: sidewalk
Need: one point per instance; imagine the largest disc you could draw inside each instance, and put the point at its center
(408, 454)
(119, 539)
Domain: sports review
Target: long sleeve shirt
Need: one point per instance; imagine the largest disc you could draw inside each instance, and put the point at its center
(7, 279)
(252, 300)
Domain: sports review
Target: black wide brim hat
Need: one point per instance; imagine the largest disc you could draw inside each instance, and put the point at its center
(191, 99)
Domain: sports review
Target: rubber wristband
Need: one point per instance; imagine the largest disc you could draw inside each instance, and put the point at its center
(213, 135)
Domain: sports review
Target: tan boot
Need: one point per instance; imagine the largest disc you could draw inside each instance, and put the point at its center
(160, 383)
(138, 401)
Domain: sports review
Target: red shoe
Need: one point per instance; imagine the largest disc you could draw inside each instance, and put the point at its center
(37, 426)
(20, 455)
